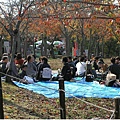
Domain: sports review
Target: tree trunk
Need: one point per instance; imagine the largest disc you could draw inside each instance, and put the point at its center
(103, 48)
(25, 48)
(8, 79)
(89, 44)
(18, 43)
(45, 46)
(83, 37)
(68, 52)
(1, 47)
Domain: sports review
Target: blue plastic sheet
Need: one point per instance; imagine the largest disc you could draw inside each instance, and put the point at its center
(79, 88)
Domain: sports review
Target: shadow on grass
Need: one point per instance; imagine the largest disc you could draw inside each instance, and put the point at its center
(31, 112)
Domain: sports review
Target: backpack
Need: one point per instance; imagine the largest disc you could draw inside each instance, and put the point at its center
(46, 73)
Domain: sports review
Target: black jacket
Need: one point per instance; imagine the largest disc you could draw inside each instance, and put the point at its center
(40, 69)
(115, 69)
(66, 72)
(22, 74)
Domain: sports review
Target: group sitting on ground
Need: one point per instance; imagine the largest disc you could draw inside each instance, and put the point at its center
(32, 71)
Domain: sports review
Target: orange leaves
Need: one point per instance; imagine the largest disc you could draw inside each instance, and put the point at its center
(19, 18)
(93, 17)
(88, 26)
(44, 3)
(6, 117)
(117, 32)
(76, 5)
(64, 0)
(117, 20)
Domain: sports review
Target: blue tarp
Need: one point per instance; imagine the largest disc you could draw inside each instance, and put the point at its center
(79, 88)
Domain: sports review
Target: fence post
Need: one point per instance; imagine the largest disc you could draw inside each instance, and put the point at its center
(1, 100)
(62, 99)
(117, 108)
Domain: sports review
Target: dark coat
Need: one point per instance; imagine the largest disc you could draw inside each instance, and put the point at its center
(115, 69)
(40, 69)
(66, 72)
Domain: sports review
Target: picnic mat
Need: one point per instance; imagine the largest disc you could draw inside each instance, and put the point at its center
(80, 88)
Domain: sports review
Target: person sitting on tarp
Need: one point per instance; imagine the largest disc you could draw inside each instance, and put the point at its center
(117, 60)
(66, 72)
(111, 80)
(103, 69)
(114, 68)
(23, 71)
(23, 76)
(31, 67)
(44, 70)
(102, 66)
(94, 63)
(19, 61)
(72, 65)
(81, 67)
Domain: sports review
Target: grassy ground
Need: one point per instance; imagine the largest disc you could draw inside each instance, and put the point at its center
(57, 63)
(23, 104)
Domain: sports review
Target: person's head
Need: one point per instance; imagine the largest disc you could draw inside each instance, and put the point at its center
(5, 54)
(44, 60)
(30, 58)
(117, 60)
(18, 56)
(100, 63)
(69, 58)
(75, 58)
(24, 67)
(112, 60)
(40, 59)
(65, 60)
(5, 59)
(92, 56)
(82, 59)
(96, 59)
(34, 56)
(101, 60)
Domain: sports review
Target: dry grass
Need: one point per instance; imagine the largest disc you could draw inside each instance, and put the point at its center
(57, 63)
(24, 104)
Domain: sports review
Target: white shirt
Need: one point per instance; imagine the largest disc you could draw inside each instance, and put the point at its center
(81, 68)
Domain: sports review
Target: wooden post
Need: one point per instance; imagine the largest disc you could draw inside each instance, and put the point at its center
(117, 108)
(62, 99)
(1, 101)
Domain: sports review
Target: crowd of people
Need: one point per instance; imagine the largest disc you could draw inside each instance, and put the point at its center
(72, 67)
